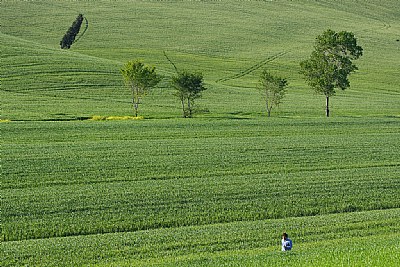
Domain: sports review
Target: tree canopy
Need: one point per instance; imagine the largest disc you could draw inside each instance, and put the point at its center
(273, 89)
(331, 63)
(188, 88)
(140, 79)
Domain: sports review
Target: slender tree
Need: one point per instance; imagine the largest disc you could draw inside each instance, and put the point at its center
(330, 63)
(140, 79)
(188, 87)
(69, 37)
(273, 89)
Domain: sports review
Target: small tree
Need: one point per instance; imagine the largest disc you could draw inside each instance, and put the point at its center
(330, 63)
(69, 37)
(188, 88)
(140, 79)
(273, 89)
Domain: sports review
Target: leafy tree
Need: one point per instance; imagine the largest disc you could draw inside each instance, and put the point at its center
(331, 63)
(188, 88)
(69, 37)
(140, 79)
(273, 89)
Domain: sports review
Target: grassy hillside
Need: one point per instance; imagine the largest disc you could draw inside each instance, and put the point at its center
(216, 190)
(221, 39)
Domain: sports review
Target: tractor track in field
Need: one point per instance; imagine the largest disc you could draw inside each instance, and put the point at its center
(86, 27)
(252, 68)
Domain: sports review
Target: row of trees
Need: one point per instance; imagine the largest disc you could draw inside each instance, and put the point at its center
(327, 69)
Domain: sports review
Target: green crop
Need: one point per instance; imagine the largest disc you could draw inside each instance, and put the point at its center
(361, 238)
(116, 176)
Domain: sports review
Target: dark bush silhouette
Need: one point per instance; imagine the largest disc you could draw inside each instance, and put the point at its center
(72, 32)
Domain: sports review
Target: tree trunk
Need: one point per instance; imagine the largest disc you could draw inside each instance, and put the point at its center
(135, 99)
(189, 108)
(268, 109)
(183, 107)
(136, 106)
(327, 106)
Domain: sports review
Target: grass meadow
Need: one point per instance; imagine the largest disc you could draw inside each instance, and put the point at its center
(83, 184)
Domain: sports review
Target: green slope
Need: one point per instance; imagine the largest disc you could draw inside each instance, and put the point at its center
(221, 39)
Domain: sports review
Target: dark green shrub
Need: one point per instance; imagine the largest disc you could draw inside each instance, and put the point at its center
(70, 35)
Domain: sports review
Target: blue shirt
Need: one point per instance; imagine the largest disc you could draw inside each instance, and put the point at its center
(287, 244)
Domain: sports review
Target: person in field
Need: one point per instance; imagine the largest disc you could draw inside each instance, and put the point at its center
(286, 242)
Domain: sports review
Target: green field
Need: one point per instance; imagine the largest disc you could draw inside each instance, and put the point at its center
(214, 190)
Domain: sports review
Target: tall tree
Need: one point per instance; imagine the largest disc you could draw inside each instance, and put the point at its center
(188, 88)
(140, 79)
(273, 89)
(330, 63)
(69, 37)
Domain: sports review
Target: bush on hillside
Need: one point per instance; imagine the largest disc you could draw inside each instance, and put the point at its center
(69, 36)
